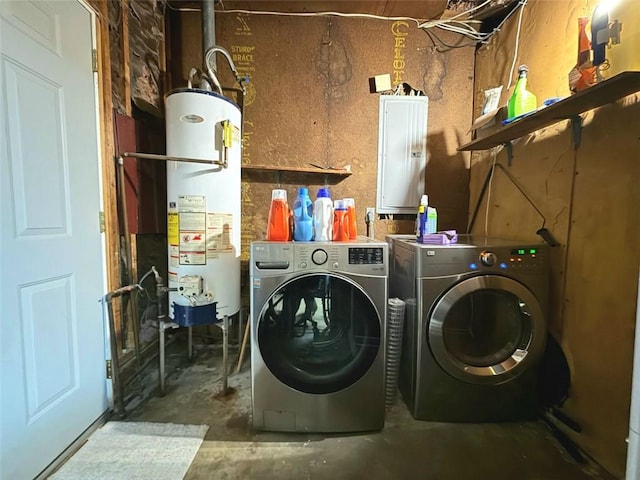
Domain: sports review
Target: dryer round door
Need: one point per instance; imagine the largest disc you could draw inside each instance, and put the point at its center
(487, 329)
(319, 333)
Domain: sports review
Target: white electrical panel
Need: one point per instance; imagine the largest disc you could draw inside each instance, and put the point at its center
(402, 153)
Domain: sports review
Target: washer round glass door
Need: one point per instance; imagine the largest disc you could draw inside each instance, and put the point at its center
(486, 329)
(319, 333)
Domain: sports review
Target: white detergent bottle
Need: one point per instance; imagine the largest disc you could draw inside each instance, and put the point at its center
(323, 217)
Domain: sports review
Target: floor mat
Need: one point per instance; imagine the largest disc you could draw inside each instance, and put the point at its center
(135, 450)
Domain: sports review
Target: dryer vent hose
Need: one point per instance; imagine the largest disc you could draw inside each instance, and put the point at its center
(395, 322)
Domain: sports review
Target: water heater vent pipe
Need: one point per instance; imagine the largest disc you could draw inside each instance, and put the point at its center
(210, 65)
(208, 20)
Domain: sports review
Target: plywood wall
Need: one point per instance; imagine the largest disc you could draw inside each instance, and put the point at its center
(590, 198)
(309, 102)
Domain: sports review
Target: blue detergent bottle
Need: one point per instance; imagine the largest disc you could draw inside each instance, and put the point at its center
(303, 216)
(421, 218)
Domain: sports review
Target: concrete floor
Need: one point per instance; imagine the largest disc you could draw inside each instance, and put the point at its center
(405, 448)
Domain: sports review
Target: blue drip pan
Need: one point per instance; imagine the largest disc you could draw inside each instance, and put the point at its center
(187, 316)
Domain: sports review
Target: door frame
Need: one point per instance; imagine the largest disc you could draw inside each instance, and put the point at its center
(99, 10)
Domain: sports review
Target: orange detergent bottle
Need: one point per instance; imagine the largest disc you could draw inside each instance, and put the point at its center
(350, 203)
(278, 225)
(340, 222)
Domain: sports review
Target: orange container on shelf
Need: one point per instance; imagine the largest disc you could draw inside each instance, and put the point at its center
(350, 203)
(278, 226)
(340, 222)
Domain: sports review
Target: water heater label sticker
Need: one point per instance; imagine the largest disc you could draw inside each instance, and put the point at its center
(192, 238)
(192, 258)
(191, 203)
(174, 254)
(192, 248)
(193, 222)
(173, 231)
(219, 232)
(236, 135)
(173, 277)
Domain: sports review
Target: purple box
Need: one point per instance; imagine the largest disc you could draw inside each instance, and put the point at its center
(445, 237)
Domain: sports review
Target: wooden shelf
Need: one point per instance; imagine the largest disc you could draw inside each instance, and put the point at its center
(607, 91)
(321, 171)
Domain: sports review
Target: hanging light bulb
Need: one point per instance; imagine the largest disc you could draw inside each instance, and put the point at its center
(607, 5)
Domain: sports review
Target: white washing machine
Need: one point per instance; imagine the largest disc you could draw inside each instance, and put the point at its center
(475, 327)
(318, 313)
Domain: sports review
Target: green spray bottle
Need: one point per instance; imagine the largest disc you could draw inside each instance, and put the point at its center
(522, 100)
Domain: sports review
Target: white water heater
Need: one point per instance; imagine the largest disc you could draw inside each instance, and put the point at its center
(203, 206)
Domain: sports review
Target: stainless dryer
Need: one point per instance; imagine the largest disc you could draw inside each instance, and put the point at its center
(318, 312)
(475, 327)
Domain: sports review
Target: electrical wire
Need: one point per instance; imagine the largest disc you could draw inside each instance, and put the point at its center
(145, 276)
(466, 27)
(523, 3)
(433, 37)
(144, 290)
(181, 9)
(453, 24)
(460, 27)
(470, 33)
(320, 14)
(467, 12)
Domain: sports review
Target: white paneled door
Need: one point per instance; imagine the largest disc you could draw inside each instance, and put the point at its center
(52, 265)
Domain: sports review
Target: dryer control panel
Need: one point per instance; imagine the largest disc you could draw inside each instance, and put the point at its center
(497, 256)
(528, 258)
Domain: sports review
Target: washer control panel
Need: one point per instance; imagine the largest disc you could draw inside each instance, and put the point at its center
(365, 255)
(344, 257)
(319, 257)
